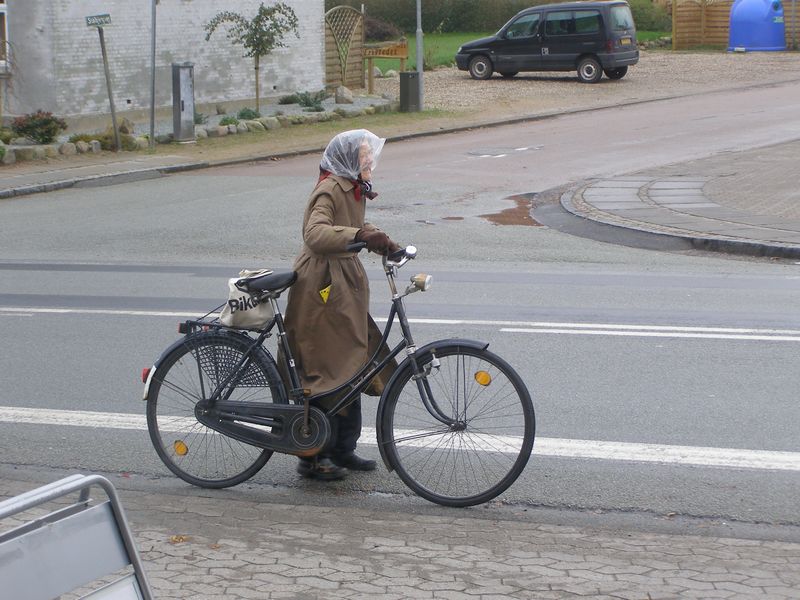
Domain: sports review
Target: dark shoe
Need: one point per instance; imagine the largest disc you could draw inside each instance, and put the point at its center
(320, 468)
(355, 463)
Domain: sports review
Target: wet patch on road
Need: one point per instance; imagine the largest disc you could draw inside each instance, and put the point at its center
(520, 214)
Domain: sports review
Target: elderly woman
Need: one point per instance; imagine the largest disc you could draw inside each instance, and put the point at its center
(327, 317)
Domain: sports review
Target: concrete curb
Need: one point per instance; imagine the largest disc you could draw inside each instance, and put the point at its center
(697, 240)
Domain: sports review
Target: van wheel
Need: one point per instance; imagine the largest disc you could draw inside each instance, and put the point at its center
(509, 74)
(617, 73)
(589, 70)
(480, 67)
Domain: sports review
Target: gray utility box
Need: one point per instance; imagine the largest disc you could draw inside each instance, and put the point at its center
(409, 91)
(183, 102)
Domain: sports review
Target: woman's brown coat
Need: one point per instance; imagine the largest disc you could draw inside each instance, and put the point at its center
(327, 313)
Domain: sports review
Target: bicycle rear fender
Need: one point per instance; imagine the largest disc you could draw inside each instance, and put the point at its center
(422, 356)
(178, 343)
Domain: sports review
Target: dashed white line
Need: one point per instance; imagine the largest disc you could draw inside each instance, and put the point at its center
(567, 328)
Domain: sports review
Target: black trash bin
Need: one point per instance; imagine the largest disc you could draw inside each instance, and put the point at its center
(409, 91)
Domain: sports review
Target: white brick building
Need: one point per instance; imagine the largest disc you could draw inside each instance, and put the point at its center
(56, 65)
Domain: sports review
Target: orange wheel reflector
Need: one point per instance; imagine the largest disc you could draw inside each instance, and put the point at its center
(483, 378)
(181, 449)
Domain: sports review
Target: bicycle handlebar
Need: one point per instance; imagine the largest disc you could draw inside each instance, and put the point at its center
(355, 246)
(395, 256)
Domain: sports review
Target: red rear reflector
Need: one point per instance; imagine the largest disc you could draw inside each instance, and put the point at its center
(609, 45)
(145, 374)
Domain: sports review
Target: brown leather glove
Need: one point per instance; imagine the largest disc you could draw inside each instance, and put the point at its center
(376, 241)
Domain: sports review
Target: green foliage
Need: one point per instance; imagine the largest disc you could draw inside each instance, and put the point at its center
(248, 114)
(229, 120)
(41, 127)
(649, 16)
(480, 15)
(289, 99)
(200, 118)
(378, 30)
(260, 35)
(6, 135)
(312, 101)
(2, 152)
(128, 142)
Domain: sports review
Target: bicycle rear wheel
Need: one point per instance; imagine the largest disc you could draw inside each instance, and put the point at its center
(474, 439)
(190, 373)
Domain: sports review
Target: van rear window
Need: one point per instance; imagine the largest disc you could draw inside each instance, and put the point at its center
(621, 17)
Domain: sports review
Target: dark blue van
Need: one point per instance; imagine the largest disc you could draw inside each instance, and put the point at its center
(591, 38)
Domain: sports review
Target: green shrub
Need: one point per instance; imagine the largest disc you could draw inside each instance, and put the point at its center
(477, 15)
(41, 127)
(290, 99)
(229, 120)
(5, 135)
(200, 118)
(248, 114)
(2, 152)
(378, 30)
(649, 16)
(128, 142)
(312, 100)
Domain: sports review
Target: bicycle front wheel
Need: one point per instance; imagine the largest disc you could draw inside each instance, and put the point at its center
(471, 439)
(190, 374)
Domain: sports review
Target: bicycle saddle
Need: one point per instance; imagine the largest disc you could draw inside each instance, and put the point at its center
(273, 283)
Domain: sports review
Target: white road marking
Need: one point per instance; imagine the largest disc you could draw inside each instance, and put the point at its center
(612, 329)
(707, 336)
(735, 458)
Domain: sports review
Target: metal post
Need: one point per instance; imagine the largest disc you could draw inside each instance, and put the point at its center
(153, 75)
(419, 51)
(108, 84)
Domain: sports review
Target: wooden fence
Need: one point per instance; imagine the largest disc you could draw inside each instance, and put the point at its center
(707, 23)
(344, 48)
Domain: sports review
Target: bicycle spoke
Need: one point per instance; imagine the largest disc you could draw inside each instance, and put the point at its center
(488, 441)
(193, 451)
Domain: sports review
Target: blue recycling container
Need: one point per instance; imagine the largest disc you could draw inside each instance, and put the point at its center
(757, 25)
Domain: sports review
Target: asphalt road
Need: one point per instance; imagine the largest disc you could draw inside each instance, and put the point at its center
(622, 345)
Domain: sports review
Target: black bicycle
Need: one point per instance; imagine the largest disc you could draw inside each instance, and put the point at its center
(455, 421)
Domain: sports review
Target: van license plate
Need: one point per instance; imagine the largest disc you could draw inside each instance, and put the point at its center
(625, 41)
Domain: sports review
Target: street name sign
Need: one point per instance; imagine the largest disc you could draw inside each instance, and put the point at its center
(98, 20)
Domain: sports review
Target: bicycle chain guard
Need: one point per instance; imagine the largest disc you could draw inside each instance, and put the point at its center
(276, 427)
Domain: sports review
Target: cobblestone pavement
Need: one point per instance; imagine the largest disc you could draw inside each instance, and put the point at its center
(207, 547)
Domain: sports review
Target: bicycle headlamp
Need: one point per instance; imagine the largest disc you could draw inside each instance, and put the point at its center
(422, 282)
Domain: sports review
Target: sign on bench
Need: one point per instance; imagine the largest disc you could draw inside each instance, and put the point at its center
(397, 49)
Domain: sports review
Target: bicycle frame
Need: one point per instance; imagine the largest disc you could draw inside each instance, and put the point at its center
(358, 382)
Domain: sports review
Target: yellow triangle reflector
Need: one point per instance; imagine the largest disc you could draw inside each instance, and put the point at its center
(181, 449)
(483, 378)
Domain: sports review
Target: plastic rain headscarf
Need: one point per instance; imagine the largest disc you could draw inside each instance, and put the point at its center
(353, 154)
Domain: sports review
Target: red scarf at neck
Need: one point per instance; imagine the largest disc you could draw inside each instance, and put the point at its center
(358, 186)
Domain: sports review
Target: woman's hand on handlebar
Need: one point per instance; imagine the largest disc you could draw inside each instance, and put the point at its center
(376, 241)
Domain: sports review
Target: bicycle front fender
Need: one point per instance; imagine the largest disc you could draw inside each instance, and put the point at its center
(421, 356)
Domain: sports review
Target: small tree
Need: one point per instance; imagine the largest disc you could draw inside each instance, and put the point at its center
(258, 36)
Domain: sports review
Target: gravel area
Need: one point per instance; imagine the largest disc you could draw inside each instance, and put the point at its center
(659, 74)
